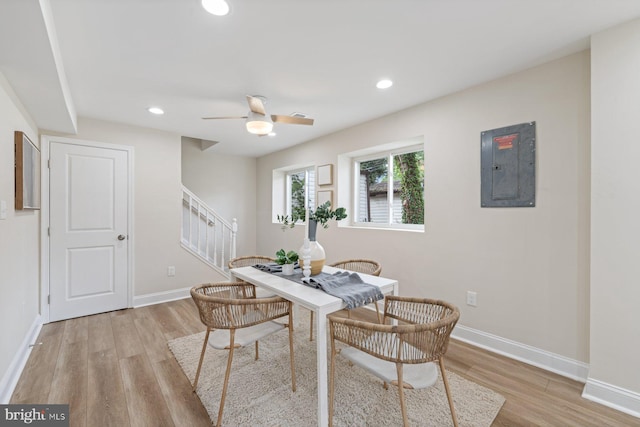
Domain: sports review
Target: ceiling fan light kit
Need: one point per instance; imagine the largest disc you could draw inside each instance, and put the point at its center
(216, 7)
(259, 124)
(384, 84)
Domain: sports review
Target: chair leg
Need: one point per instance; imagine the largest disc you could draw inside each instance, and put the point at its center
(291, 356)
(377, 312)
(204, 348)
(257, 354)
(403, 407)
(232, 333)
(311, 328)
(332, 373)
(448, 390)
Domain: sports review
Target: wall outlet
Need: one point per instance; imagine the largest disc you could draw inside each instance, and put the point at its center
(472, 298)
(171, 271)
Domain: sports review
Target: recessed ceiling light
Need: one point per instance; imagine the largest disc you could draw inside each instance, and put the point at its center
(155, 110)
(271, 134)
(216, 7)
(384, 84)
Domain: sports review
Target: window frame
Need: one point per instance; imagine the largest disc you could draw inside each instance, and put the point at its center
(308, 193)
(355, 188)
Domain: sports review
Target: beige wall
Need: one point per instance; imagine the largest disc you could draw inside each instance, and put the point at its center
(615, 207)
(227, 184)
(19, 240)
(529, 266)
(157, 206)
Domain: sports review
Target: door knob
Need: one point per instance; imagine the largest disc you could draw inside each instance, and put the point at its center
(121, 237)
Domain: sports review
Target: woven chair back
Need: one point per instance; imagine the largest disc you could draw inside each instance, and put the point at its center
(421, 335)
(366, 266)
(247, 261)
(233, 305)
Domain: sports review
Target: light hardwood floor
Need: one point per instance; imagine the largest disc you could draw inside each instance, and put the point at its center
(115, 369)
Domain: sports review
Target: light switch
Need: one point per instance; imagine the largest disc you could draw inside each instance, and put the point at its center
(3, 209)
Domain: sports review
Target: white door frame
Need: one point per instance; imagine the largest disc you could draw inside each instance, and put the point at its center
(45, 141)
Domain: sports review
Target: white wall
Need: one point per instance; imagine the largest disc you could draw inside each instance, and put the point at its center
(227, 184)
(615, 208)
(157, 206)
(19, 243)
(529, 266)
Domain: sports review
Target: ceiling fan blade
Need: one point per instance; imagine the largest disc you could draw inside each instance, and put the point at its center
(256, 105)
(230, 117)
(291, 120)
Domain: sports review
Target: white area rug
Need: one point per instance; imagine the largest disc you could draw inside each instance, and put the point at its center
(260, 393)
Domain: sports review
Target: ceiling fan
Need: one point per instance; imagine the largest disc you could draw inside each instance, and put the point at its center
(260, 123)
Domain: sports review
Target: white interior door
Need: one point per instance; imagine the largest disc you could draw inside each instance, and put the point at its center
(88, 220)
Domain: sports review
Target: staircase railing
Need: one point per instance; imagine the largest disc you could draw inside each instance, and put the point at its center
(206, 234)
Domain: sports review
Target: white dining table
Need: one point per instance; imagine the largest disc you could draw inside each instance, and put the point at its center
(322, 304)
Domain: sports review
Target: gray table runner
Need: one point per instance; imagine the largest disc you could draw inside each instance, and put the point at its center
(345, 285)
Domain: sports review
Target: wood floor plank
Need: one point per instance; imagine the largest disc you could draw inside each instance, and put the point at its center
(144, 312)
(69, 384)
(106, 402)
(100, 333)
(52, 329)
(153, 340)
(76, 330)
(35, 382)
(184, 405)
(166, 319)
(145, 402)
(184, 314)
(126, 335)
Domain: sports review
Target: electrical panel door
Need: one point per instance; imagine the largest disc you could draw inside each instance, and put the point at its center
(508, 177)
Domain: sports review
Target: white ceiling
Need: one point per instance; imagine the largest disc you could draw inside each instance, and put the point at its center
(111, 59)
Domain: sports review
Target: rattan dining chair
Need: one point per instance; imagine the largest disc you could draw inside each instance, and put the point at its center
(234, 318)
(401, 354)
(250, 260)
(366, 266)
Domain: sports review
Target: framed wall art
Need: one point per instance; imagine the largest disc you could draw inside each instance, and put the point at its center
(27, 172)
(325, 196)
(325, 174)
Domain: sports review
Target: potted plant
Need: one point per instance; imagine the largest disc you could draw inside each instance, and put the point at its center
(286, 260)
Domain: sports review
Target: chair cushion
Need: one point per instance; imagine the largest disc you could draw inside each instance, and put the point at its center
(219, 338)
(421, 375)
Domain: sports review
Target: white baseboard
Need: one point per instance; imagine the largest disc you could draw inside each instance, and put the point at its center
(159, 297)
(12, 375)
(612, 396)
(552, 362)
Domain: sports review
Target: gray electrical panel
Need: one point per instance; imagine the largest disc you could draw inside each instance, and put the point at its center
(508, 162)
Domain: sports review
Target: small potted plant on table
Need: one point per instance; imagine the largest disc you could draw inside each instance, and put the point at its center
(286, 260)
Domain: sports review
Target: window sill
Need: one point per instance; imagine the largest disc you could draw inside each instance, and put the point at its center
(379, 228)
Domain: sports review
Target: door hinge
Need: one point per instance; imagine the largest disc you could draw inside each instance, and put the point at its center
(48, 231)
(49, 163)
(49, 299)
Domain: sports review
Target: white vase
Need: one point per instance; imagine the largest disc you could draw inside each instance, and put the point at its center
(287, 269)
(318, 255)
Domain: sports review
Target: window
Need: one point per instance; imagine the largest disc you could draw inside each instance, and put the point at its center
(300, 187)
(389, 188)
